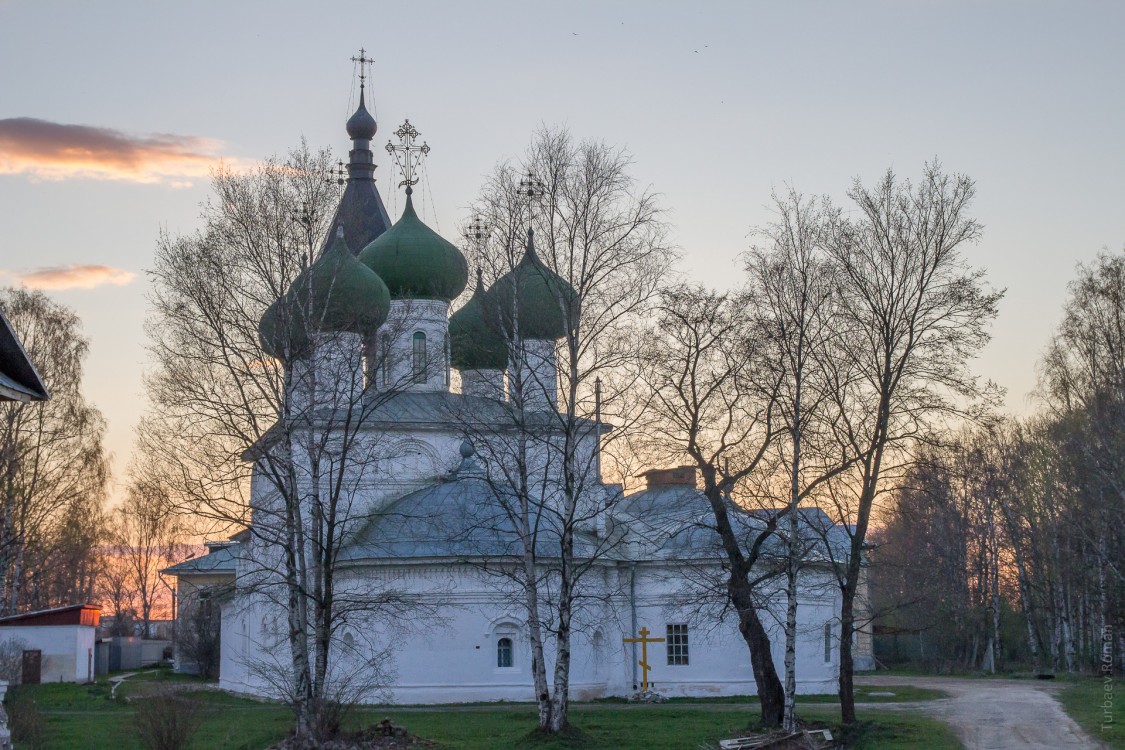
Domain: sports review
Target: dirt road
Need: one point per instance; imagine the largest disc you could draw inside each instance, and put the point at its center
(996, 714)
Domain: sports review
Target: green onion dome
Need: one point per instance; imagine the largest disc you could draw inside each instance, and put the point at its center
(473, 343)
(545, 298)
(336, 294)
(415, 261)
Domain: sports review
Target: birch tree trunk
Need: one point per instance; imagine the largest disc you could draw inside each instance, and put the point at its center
(794, 552)
(994, 587)
(560, 700)
(538, 665)
(790, 721)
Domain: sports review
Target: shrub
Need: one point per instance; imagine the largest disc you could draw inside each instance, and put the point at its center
(26, 722)
(11, 660)
(166, 720)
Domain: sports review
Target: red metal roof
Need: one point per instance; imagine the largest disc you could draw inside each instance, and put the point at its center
(75, 614)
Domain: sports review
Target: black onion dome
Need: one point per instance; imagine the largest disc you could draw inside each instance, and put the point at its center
(415, 261)
(362, 125)
(361, 213)
(336, 294)
(473, 343)
(545, 299)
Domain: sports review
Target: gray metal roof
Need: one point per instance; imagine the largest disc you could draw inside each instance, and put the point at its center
(461, 517)
(443, 407)
(218, 560)
(677, 522)
(457, 518)
(440, 409)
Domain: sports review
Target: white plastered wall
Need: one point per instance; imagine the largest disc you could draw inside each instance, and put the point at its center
(391, 357)
(67, 649)
(450, 656)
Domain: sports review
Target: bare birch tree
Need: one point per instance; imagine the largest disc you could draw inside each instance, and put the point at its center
(1082, 382)
(224, 408)
(792, 303)
(146, 537)
(601, 249)
(53, 467)
(115, 590)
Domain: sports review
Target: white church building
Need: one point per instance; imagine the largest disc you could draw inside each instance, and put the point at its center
(430, 519)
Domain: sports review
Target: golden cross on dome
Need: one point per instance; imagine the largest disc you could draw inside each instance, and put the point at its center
(407, 156)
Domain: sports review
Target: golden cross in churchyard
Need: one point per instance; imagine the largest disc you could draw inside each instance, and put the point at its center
(644, 640)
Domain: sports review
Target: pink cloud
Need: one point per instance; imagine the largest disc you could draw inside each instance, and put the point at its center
(56, 151)
(72, 277)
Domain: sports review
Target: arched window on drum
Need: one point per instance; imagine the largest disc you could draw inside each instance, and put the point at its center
(384, 354)
(419, 357)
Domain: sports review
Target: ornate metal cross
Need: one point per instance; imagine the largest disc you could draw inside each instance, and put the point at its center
(338, 174)
(303, 215)
(363, 61)
(306, 217)
(407, 156)
(477, 232)
(530, 191)
(644, 640)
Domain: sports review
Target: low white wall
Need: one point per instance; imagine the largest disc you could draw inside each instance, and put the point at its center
(455, 659)
(68, 650)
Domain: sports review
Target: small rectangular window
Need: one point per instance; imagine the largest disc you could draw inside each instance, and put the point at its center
(676, 642)
(827, 642)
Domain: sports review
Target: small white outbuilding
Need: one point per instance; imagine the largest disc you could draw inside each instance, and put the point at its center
(56, 645)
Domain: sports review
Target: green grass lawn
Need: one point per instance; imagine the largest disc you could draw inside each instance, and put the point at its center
(863, 694)
(889, 730)
(1083, 699)
(661, 727)
(81, 717)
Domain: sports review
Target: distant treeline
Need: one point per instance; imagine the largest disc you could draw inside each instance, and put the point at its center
(1006, 546)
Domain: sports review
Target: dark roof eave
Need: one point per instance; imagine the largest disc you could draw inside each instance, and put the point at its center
(17, 372)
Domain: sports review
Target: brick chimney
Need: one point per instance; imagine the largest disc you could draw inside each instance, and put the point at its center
(680, 475)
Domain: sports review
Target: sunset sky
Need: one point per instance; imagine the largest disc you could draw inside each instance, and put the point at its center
(112, 114)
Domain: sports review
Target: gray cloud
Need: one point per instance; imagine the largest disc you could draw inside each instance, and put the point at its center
(52, 151)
